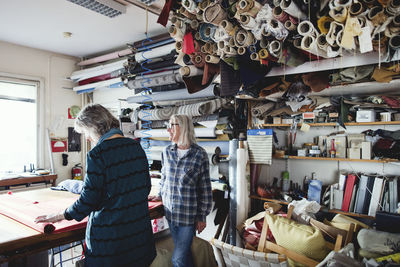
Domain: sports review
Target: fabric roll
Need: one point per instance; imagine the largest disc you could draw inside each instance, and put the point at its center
(279, 14)
(214, 14)
(254, 56)
(290, 26)
(338, 13)
(160, 88)
(377, 15)
(393, 8)
(198, 109)
(242, 191)
(324, 24)
(394, 42)
(230, 51)
(113, 74)
(155, 81)
(179, 94)
(163, 17)
(309, 44)
(206, 30)
(190, 6)
(198, 59)
(248, 7)
(203, 5)
(176, 32)
(306, 28)
(292, 9)
(393, 28)
(259, 110)
(335, 27)
(227, 26)
(356, 8)
(154, 53)
(241, 50)
(233, 145)
(212, 59)
(97, 85)
(106, 57)
(157, 133)
(80, 75)
(247, 22)
(277, 29)
(183, 11)
(274, 48)
(243, 38)
(189, 71)
(194, 24)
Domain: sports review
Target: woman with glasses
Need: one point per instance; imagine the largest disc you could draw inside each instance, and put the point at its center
(185, 187)
(114, 195)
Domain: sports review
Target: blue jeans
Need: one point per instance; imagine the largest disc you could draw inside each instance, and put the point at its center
(182, 237)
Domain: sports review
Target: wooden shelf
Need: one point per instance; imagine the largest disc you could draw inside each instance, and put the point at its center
(336, 159)
(322, 208)
(335, 124)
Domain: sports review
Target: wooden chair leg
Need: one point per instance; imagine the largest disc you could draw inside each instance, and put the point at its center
(349, 236)
(263, 237)
(338, 243)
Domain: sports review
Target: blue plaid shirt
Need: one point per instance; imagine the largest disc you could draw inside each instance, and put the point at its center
(185, 186)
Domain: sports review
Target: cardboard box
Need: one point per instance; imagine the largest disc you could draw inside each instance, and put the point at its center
(354, 153)
(277, 120)
(365, 115)
(366, 150)
(287, 121)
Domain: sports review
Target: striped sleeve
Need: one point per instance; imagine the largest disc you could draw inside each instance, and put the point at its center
(92, 191)
(204, 190)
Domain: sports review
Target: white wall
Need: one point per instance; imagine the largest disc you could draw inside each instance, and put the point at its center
(51, 69)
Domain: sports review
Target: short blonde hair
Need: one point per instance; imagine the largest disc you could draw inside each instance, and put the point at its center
(186, 137)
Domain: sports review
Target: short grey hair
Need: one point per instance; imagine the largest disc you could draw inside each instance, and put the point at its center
(94, 119)
(186, 137)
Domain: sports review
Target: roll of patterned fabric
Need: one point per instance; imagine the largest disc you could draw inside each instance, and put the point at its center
(247, 22)
(248, 7)
(214, 14)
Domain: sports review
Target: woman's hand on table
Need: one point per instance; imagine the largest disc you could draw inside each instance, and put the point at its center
(50, 218)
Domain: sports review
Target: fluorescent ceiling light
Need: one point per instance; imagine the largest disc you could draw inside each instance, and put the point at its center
(107, 8)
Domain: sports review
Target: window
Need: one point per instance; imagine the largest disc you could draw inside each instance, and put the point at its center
(19, 126)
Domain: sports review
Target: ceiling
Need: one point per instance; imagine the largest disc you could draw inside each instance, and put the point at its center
(41, 23)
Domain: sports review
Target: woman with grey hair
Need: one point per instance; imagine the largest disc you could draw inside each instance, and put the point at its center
(185, 187)
(114, 195)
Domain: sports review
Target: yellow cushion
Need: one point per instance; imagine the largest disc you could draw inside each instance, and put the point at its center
(343, 222)
(301, 238)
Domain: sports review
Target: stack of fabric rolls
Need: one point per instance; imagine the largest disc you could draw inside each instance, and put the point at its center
(245, 38)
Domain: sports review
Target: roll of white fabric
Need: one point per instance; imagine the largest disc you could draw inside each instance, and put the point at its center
(306, 28)
(156, 52)
(309, 44)
(179, 94)
(191, 70)
(97, 71)
(242, 192)
(292, 9)
(199, 132)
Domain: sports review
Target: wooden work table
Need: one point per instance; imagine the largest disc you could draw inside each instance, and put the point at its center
(18, 240)
(49, 178)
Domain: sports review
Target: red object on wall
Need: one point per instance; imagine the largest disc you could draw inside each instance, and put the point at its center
(59, 146)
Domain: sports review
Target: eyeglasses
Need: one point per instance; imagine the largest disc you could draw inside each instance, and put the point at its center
(170, 125)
